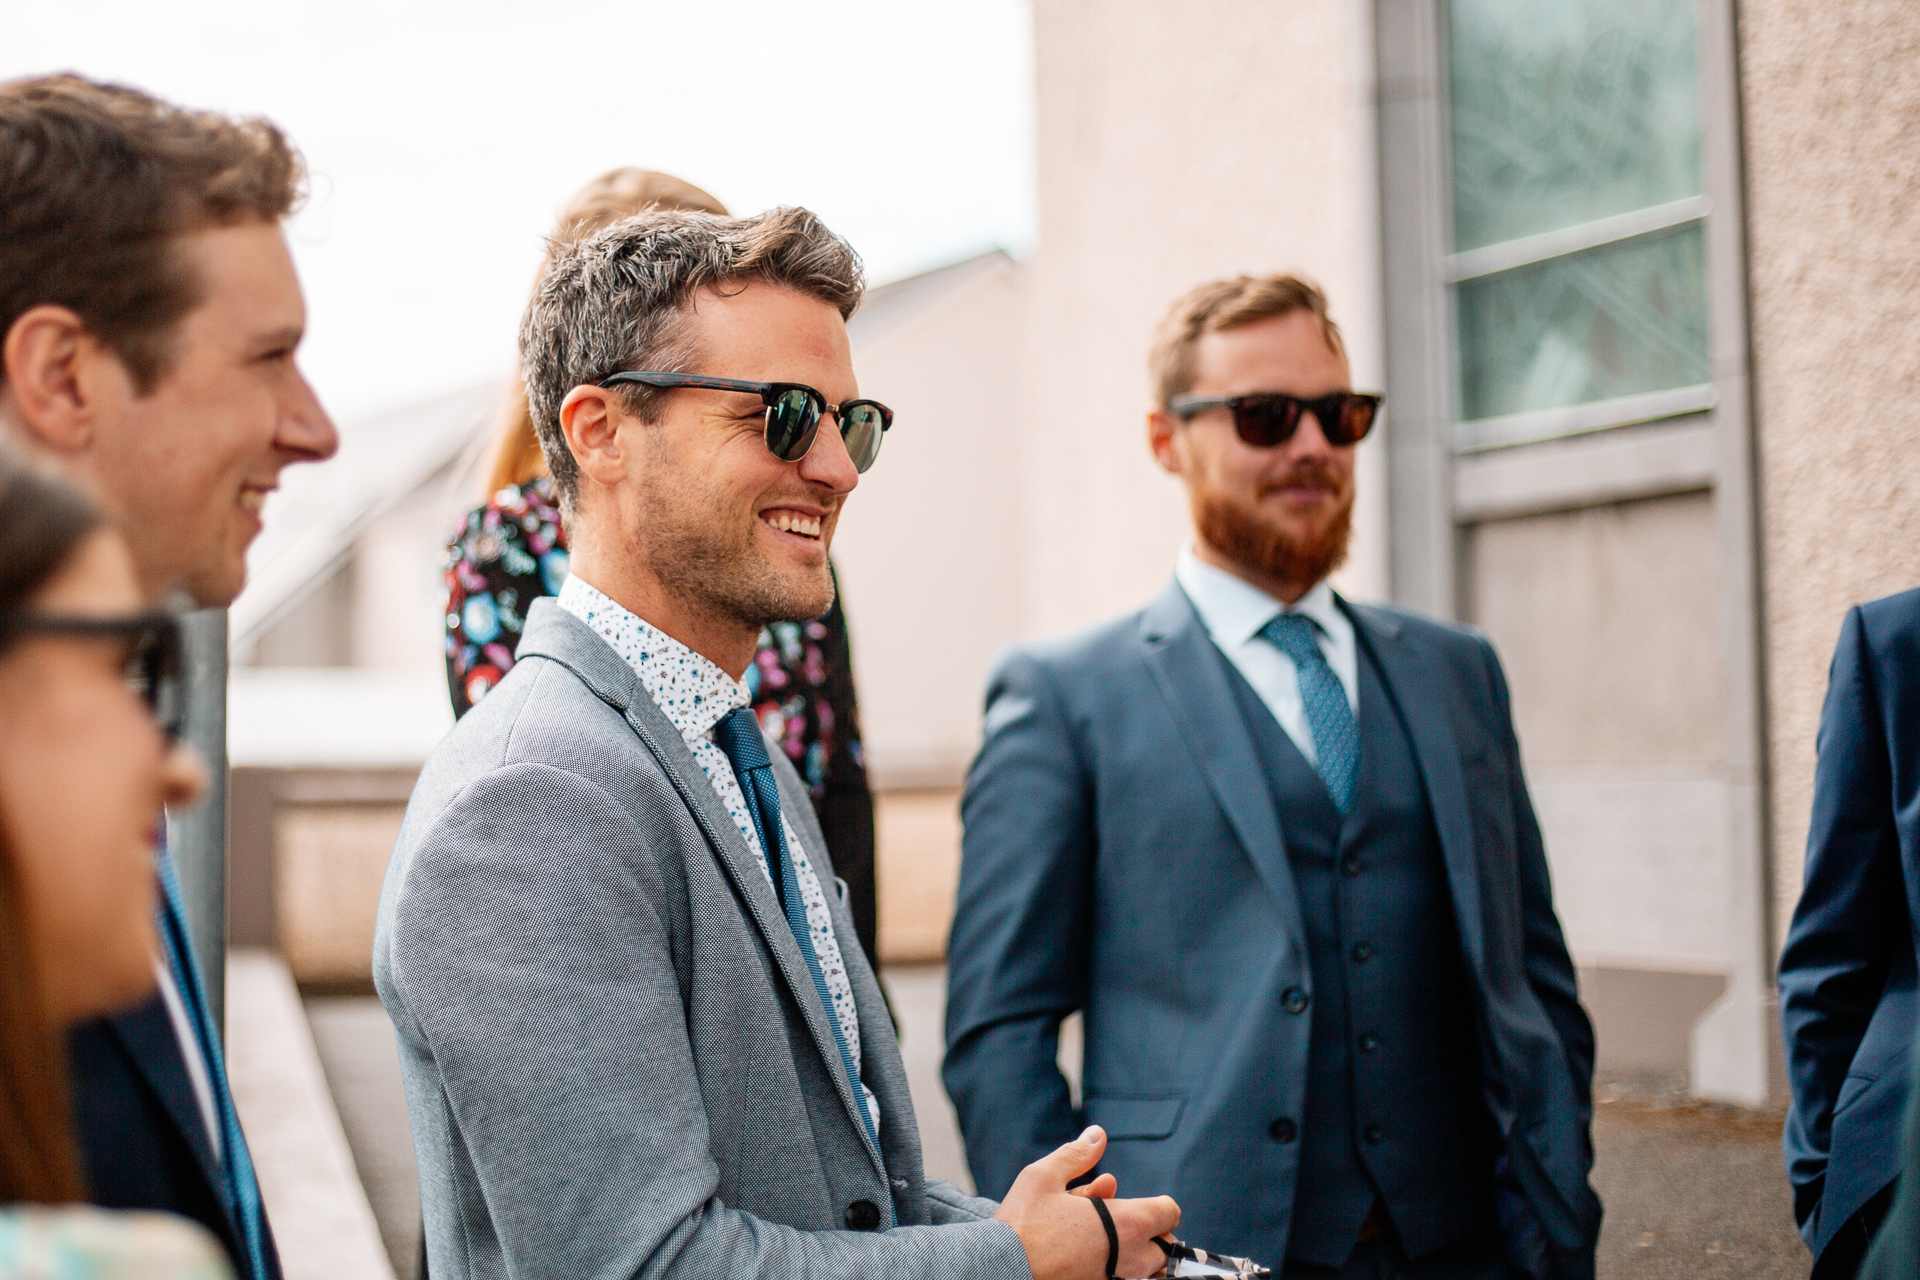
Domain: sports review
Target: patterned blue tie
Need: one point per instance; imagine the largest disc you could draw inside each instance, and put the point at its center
(242, 1186)
(1336, 738)
(738, 734)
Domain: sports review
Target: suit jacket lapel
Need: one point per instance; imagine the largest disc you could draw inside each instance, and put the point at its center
(147, 1035)
(1186, 666)
(554, 633)
(1420, 692)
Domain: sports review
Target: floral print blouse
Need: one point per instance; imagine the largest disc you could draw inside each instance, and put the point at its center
(512, 550)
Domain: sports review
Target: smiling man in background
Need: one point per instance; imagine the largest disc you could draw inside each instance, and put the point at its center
(636, 1033)
(149, 315)
(1276, 848)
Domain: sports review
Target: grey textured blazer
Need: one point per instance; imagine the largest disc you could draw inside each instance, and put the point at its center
(615, 1060)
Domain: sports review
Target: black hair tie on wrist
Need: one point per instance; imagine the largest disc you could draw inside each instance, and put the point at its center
(1113, 1237)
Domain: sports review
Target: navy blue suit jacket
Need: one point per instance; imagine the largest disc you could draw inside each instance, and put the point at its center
(1123, 858)
(143, 1143)
(1847, 971)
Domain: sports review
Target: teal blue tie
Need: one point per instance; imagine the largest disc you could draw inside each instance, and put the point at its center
(738, 734)
(242, 1186)
(1336, 738)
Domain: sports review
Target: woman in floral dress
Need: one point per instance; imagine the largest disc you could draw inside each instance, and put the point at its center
(512, 550)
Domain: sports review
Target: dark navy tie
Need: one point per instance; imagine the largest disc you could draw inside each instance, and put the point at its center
(738, 734)
(242, 1187)
(1336, 738)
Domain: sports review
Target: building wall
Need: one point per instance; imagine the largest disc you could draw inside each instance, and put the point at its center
(1607, 622)
(1831, 98)
(1178, 143)
(929, 547)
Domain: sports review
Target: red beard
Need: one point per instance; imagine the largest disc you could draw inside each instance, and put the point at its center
(1238, 533)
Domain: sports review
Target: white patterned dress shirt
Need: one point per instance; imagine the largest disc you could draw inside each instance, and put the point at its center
(1233, 611)
(696, 695)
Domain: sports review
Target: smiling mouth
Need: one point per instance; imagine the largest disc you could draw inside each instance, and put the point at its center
(798, 525)
(252, 499)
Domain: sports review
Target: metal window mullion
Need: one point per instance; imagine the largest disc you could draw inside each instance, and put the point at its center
(1505, 256)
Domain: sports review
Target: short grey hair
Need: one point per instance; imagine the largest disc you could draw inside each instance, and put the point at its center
(616, 299)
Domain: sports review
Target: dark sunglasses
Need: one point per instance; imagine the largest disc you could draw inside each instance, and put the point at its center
(794, 411)
(1268, 418)
(155, 668)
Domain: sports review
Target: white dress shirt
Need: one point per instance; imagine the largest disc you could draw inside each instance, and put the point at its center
(1233, 610)
(197, 1074)
(696, 695)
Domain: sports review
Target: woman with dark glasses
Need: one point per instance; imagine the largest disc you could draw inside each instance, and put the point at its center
(89, 707)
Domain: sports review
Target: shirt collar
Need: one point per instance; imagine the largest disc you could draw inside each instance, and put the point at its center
(1233, 610)
(693, 692)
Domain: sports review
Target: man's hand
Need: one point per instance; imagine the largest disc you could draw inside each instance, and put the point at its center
(1062, 1233)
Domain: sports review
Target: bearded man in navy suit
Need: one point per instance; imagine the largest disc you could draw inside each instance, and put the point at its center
(1847, 987)
(1276, 848)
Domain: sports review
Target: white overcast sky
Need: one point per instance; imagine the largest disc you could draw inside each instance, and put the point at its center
(442, 138)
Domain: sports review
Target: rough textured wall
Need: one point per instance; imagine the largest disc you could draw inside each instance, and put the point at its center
(1832, 116)
(1178, 143)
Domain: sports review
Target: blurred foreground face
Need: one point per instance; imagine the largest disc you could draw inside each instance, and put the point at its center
(84, 773)
(187, 467)
(724, 523)
(1277, 516)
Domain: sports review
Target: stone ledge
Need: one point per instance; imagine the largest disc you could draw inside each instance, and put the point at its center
(320, 1215)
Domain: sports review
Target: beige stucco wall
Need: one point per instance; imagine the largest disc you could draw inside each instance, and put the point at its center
(1832, 118)
(1178, 143)
(928, 548)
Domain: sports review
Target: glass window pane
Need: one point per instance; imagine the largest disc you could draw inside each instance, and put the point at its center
(1619, 320)
(1569, 111)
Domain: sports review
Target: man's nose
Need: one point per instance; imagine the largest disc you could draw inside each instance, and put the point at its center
(1309, 437)
(305, 429)
(828, 462)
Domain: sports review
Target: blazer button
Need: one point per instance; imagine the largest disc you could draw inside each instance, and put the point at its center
(1373, 1133)
(1283, 1130)
(1362, 952)
(863, 1215)
(1293, 1000)
(1350, 865)
(1369, 1042)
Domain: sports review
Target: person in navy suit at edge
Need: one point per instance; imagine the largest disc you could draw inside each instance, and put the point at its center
(150, 314)
(1847, 970)
(1276, 848)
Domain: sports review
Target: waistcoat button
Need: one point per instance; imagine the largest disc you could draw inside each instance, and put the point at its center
(863, 1215)
(1283, 1130)
(1293, 1000)
(1350, 865)
(1362, 952)
(1373, 1132)
(1369, 1042)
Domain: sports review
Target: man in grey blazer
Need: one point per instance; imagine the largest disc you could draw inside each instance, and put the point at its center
(1276, 848)
(636, 1035)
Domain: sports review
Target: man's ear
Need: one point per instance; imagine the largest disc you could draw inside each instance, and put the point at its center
(590, 419)
(56, 376)
(1162, 428)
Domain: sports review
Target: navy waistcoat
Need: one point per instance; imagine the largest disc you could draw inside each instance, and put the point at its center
(1394, 1107)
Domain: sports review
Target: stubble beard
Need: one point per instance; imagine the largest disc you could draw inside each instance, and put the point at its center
(1273, 550)
(718, 570)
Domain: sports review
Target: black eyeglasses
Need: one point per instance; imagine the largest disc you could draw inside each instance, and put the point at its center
(1268, 418)
(793, 413)
(155, 668)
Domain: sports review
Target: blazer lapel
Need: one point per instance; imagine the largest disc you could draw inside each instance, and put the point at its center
(147, 1035)
(1186, 667)
(554, 633)
(1420, 692)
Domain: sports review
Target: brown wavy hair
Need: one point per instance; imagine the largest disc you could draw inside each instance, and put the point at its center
(616, 194)
(1228, 304)
(98, 182)
(46, 521)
